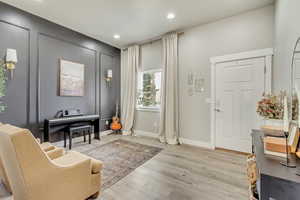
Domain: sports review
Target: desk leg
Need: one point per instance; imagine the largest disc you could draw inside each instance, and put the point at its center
(97, 129)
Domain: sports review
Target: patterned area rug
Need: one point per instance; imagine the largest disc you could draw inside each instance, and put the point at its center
(120, 157)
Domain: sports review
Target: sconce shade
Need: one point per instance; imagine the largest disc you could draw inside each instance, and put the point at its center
(109, 73)
(11, 56)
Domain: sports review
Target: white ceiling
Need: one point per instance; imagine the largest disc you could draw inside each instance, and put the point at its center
(133, 20)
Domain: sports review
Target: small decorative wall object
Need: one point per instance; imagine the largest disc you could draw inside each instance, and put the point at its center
(11, 61)
(190, 78)
(108, 76)
(196, 83)
(199, 84)
(71, 78)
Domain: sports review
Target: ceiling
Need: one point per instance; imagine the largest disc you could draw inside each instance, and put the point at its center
(133, 20)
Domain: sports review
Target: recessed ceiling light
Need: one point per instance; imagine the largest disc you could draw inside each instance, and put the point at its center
(39, 1)
(171, 16)
(116, 36)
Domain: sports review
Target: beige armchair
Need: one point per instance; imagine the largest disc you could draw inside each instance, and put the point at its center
(52, 152)
(34, 176)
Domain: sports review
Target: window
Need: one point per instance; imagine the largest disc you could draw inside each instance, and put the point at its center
(149, 90)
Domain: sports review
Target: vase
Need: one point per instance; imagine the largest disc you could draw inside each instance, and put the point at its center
(273, 122)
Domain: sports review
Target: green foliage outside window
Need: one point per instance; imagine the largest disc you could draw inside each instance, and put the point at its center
(149, 89)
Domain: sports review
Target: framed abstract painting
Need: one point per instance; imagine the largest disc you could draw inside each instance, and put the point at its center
(71, 79)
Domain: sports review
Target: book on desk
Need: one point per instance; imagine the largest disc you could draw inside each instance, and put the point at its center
(276, 145)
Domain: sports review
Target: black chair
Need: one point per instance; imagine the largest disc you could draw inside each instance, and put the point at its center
(85, 129)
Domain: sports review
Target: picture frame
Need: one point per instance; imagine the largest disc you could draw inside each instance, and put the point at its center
(71, 81)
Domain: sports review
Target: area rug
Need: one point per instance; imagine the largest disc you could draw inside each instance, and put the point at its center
(120, 158)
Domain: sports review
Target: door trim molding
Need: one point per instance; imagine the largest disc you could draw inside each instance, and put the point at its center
(266, 53)
(242, 55)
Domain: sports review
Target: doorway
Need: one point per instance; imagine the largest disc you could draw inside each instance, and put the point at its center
(239, 80)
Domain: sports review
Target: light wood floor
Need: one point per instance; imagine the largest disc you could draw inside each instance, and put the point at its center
(179, 173)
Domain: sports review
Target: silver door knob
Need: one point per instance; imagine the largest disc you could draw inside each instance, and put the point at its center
(217, 110)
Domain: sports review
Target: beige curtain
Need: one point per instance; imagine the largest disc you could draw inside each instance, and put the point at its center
(169, 101)
(129, 67)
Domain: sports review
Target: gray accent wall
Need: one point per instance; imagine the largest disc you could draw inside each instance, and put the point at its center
(287, 30)
(110, 92)
(33, 93)
(17, 92)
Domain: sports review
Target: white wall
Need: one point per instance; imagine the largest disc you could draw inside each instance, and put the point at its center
(287, 30)
(147, 121)
(248, 31)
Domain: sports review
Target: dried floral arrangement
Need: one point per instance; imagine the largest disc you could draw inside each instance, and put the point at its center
(271, 106)
(295, 107)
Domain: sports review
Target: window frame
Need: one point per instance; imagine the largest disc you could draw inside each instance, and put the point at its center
(148, 108)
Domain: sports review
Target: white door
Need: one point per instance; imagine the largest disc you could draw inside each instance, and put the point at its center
(239, 86)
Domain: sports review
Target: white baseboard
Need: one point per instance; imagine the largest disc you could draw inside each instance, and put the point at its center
(145, 133)
(107, 132)
(196, 143)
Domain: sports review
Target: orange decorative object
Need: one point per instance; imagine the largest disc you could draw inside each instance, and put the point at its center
(115, 125)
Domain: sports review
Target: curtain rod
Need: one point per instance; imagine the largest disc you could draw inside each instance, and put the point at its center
(151, 41)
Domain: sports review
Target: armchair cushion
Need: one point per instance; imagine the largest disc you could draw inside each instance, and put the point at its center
(47, 146)
(55, 153)
(73, 157)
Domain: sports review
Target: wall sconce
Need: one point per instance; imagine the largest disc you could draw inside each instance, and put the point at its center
(108, 76)
(11, 61)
